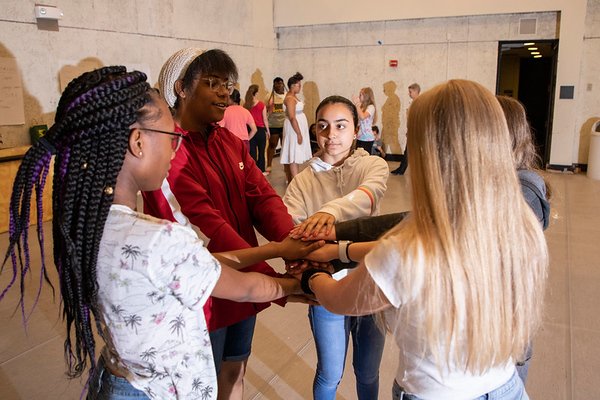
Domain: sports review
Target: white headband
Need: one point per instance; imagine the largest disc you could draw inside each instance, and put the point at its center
(173, 70)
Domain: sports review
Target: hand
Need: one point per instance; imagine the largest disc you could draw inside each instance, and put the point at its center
(294, 249)
(297, 267)
(302, 298)
(330, 237)
(324, 254)
(299, 138)
(356, 100)
(294, 267)
(318, 223)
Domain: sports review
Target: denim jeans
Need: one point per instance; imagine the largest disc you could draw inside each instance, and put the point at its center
(511, 390)
(331, 333)
(233, 342)
(105, 386)
(523, 366)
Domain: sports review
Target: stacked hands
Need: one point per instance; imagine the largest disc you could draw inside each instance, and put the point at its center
(305, 248)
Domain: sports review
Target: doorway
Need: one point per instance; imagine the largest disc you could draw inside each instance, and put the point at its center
(527, 72)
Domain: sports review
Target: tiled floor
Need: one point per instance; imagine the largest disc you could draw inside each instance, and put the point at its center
(566, 351)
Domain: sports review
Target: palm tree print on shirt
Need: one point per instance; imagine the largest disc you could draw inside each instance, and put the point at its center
(149, 355)
(134, 321)
(131, 252)
(177, 325)
(206, 392)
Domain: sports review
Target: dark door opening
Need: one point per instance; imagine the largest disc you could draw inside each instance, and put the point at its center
(527, 72)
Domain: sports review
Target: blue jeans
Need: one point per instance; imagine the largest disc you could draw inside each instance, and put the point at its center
(233, 342)
(105, 386)
(523, 366)
(331, 333)
(511, 390)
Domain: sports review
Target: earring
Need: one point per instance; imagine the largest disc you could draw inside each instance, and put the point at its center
(140, 153)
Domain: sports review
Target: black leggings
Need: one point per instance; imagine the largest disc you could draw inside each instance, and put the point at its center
(365, 145)
(258, 144)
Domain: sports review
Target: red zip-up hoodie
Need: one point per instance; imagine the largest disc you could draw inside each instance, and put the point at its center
(215, 187)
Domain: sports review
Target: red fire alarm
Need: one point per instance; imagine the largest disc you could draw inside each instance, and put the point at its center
(393, 63)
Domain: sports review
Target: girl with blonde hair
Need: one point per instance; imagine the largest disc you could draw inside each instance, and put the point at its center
(462, 277)
(365, 105)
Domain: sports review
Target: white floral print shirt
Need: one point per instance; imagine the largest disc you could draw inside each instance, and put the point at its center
(153, 277)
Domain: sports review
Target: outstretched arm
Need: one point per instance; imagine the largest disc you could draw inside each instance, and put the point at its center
(288, 248)
(356, 294)
(252, 286)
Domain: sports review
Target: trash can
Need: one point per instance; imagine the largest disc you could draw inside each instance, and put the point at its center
(593, 166)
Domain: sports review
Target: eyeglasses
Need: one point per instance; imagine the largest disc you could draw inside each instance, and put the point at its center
(175, 140)
(215, 84)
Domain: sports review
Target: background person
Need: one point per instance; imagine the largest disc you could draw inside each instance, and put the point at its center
(258, 110)
(377, 143)
(295, 148)
(413, 92)
(238, 120)
(365, 104)
(276, 117)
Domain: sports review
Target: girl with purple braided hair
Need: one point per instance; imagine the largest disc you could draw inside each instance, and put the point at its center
(143, 281)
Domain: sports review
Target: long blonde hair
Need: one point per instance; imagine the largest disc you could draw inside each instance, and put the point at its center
(472, 244)
(368, 99)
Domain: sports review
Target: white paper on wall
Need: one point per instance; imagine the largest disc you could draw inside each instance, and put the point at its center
(12, 108)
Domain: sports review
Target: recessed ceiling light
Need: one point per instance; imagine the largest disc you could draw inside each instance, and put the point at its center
(528, 44)
(533, 53)
(538, 56)
(532, 48)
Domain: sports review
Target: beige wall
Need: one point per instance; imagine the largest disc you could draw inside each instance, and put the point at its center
(565, 146)
(314, 12)
(342, 58)
(139, 33)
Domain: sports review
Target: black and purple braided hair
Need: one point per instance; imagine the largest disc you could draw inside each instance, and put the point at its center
(89, 138)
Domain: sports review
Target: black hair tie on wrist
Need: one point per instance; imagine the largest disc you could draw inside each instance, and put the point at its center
(306, 275)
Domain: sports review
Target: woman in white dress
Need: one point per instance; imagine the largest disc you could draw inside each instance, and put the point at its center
(295, 147)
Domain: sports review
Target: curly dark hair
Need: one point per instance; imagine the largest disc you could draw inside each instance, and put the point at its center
(90, 138)
(297, 77)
